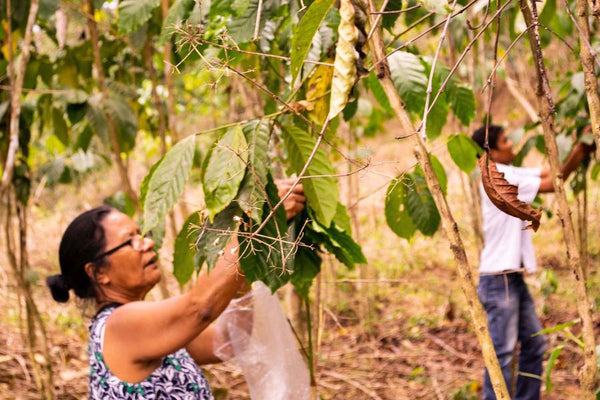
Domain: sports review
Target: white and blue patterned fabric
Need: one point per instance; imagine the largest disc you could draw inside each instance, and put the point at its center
(177, 377)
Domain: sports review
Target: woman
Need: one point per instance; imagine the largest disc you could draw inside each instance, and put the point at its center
(141, 349)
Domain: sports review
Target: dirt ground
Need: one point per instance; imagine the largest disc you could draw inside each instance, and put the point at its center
(394, 329)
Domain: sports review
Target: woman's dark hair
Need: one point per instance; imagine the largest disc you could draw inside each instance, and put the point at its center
(81, 243)
(493, 132)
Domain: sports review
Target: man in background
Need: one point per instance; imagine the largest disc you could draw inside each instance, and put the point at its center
(507, 254)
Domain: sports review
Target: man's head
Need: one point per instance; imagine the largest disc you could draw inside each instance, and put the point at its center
(501, 147)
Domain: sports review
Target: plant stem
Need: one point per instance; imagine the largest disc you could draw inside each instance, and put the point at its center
(546, 108)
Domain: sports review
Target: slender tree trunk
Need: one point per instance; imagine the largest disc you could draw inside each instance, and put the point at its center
(168, 54)
(450, 227)
(112, 132)
(43, 374)
(546, 108)
(15, 93)
(587, 61)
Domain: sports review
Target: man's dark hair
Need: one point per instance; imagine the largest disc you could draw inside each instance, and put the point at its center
(494, 132)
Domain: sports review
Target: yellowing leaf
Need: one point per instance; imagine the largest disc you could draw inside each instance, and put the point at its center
(344, 75)
(318, 85)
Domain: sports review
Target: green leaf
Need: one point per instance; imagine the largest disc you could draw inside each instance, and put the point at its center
(340, 244)
(420, 204)
(266, 257)
(241, 29)
(558, 327)
(213, 236)
(251, 196)
(225, 170)
(307, 265)
(146, 181)
(550, 366)
(462, 103)
(344, 74)
(440, 173)
(389, 20)
(135, 13)
(184, 251)
(408, 75)
(463, 151)
(379, 93)
(167, 182)
(322, 192)
(396, 213)
(307, 27)
(59, 126)
(179, 11)
(342, 219)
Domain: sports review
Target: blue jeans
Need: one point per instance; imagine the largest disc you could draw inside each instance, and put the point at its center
(511, 318)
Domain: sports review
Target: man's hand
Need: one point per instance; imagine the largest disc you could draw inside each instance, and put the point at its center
(294, 203)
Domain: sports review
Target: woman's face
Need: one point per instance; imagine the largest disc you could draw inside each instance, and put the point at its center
(132, 270)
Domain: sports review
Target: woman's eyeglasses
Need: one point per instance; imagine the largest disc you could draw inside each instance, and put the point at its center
(136, 242)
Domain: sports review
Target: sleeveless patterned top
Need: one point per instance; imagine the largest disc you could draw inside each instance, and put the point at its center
(178, 376)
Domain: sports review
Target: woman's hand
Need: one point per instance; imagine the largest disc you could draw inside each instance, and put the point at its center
(294, 203)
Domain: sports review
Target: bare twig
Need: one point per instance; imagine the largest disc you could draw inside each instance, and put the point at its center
(378, 18)
(257, 23)
(396, 11)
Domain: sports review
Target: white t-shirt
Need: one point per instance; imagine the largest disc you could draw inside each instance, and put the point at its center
(506, 245)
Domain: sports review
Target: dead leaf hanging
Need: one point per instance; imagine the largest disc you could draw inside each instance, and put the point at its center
(504, 195)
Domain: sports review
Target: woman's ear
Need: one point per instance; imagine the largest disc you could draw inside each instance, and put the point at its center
(99, 276)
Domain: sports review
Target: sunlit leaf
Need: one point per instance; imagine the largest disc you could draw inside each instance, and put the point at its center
(307, 27)
(251, 196)
(396, 213)
(463, 151)
(167, 182)
(317, 93)
(462, 103)
(408, 75)
(321, 192)
(225, 170)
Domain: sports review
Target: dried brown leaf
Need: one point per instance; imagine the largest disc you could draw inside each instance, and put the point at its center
(504, 195)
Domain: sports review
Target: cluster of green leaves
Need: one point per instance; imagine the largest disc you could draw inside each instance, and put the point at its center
(240, 196)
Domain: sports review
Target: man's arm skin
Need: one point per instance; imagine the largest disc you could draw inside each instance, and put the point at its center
(579, 151)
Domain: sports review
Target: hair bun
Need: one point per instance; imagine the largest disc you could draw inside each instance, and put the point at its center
(58, 287)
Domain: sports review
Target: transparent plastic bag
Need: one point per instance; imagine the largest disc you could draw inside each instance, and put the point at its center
(254, 333)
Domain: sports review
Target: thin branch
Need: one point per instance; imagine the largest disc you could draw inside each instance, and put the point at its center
(257, 24)
(582, 36)
(432, 73)
(256, 53)
(510, 47)
(396, 11)
(459, 61)
(379, 15)
(410, 27)
(408, 43)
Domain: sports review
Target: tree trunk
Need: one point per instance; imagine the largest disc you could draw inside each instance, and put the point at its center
(112, 132)
(167, 54)
(450, 227)
(546, 108)
(587, 61)
(16, 83)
